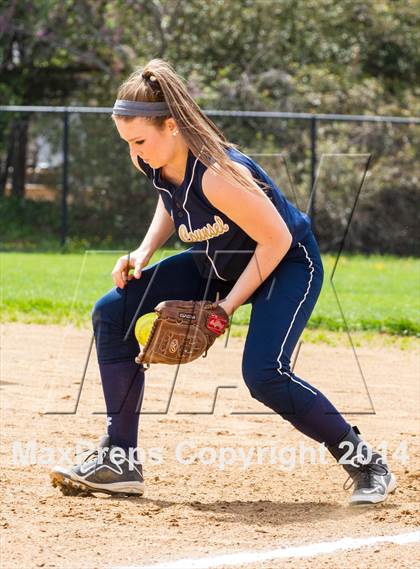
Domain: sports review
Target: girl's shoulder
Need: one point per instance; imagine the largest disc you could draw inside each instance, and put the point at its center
(235, 154)
(238, 156)
(256, 170)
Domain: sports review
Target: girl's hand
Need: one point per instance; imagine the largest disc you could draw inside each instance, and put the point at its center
(227, 306)
(135, 260)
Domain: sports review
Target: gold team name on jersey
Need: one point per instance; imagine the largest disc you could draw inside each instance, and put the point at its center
(203, 233)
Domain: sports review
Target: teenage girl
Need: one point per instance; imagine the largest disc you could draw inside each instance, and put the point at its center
(247, 243)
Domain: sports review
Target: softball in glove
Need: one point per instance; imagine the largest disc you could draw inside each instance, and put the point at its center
(183, 331)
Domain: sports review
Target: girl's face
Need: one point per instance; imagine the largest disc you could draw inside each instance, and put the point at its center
(156, 146)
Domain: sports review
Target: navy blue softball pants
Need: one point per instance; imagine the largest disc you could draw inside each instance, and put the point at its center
(281, 307)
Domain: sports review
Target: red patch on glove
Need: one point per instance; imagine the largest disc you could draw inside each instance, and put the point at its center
(216, 324)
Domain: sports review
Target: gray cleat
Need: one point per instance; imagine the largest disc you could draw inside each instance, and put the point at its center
(368, 473)
(107, 469)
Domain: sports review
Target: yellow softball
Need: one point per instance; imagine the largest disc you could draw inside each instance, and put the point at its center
(144, 326)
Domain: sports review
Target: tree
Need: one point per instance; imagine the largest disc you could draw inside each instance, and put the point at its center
(52, 52)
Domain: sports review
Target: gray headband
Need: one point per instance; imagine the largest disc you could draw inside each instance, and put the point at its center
(140, 109)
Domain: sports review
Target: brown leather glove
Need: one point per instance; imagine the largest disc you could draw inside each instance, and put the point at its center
(183, 331)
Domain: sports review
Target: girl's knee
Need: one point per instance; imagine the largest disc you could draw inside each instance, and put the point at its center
(104, 309)
(249, 372)
(279, 389)
(258, 373)
(270, 385)
(256, 380)
(267, 390)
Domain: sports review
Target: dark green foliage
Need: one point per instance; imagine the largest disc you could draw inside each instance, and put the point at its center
(323, 56)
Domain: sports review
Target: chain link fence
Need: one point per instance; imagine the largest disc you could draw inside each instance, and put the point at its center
(67, 182)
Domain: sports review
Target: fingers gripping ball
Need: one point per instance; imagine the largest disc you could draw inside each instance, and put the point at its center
(144, 326)
(183, 331)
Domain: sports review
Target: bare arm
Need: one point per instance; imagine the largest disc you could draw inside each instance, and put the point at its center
(258, 217)
(160, 229)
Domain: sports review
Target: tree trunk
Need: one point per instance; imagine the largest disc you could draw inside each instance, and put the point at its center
(19, 156)
(5, 166)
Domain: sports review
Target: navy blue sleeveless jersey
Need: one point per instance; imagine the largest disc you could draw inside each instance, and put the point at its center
(223, 248)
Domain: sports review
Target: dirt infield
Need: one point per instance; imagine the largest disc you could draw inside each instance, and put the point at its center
(284, 497)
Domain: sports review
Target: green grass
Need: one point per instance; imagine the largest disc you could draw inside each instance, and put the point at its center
(378, 293)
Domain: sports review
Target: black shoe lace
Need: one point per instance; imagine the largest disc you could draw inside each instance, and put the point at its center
(364, 473)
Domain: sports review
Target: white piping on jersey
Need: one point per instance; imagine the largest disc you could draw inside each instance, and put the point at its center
(311, 269)
(186, 193)
(158, 187)
(212, 262)
(188, 213)
(164, 189)
(189, 220)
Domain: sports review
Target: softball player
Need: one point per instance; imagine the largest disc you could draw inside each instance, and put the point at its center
(248, 244)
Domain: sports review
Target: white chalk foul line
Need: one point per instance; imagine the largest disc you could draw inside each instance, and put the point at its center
(310, 550)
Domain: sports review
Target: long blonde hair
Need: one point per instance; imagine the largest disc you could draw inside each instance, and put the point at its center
(157, 81)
